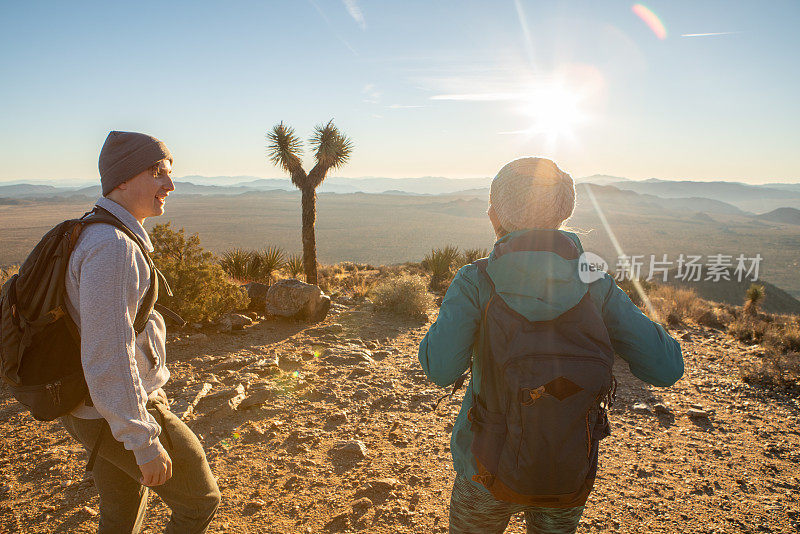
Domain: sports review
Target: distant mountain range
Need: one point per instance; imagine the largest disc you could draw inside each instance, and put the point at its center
(755, 198)
(712, 197)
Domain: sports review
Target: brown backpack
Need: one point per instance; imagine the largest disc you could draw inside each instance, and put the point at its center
(40, 348)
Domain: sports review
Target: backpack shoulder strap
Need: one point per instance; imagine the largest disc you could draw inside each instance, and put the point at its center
(482, 264)
(101, 215)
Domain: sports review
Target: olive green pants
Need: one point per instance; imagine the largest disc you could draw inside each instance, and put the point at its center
(191, 494)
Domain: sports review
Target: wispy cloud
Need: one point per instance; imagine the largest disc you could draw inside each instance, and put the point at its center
(479, 97)
(328, 22)
(371, 94)
(402, 106)
(355, 12)
(713, 34)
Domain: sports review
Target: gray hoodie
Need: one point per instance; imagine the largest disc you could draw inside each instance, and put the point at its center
(106, 281)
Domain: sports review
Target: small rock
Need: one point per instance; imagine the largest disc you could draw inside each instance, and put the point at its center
(699, 414)
(353, 448)
(290, 362)
(258, 504)
(337, 418)
(91, 511)
(66, 483)
(258, 398)
(641, 407)
(234, 321)
(383, 485)
(197, 337)
(338, 523)
(662, 409)
(361, 504)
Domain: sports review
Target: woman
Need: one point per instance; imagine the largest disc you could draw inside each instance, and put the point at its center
(529, 196)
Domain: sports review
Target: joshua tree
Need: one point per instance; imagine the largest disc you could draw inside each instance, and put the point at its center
(333, 149)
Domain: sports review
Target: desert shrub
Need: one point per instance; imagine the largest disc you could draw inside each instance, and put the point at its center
(677, 305)
(201, 288)
(783, 335)
(294, 265)
(7, 272)
(405, 295)
(356, 284)
(440, 263)
(240, 264)
(776, 370)
(748, 329)
(472, 254)
(267, 262)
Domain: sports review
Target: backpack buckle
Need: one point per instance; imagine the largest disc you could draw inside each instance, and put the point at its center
(531, 395)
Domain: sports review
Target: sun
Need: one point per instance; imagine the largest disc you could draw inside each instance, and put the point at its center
(555, 111)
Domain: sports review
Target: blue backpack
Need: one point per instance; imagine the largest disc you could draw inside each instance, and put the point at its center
(545, 386)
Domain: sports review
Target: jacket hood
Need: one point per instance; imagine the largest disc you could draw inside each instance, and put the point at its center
(540, 285)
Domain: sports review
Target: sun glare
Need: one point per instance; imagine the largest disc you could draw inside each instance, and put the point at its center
(555, 111)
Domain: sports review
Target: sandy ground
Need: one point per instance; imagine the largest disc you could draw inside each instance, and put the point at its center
(282, 395)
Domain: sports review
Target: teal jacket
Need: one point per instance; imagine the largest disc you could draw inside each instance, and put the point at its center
(540, 286)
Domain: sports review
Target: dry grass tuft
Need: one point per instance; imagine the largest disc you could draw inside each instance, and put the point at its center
(7, 272)
(405, 295)
(677, 305)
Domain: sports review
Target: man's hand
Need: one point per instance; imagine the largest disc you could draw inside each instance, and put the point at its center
(156, 471)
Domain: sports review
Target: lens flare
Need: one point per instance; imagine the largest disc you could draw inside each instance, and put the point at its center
(651, 19)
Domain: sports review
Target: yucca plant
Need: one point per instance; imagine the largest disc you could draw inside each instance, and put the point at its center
(754, 295)
(294, 265)
(472, 254)
(268, 261)
(440, 263)
(332, 150)
(239, 264)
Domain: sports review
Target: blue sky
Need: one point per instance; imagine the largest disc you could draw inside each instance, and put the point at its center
(439, 88)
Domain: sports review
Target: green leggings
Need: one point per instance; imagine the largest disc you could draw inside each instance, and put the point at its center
(474, 511)
(192, 493)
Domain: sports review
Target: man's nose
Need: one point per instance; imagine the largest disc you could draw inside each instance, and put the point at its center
(169, 185)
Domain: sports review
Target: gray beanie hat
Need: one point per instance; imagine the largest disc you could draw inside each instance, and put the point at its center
(126, 154)
(532, 193)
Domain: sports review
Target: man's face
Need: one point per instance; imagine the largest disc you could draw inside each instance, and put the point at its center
(146, 192)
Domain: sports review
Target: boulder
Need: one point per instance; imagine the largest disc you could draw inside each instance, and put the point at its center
(297, 300)
(258, 295)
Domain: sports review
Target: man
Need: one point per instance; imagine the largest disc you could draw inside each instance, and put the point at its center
(139, 443)
(530, 197)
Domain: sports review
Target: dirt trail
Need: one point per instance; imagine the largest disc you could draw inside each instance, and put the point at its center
(281, 409)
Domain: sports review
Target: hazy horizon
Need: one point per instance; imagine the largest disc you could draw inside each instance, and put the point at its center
(231, 179)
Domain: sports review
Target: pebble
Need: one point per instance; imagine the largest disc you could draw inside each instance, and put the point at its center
(662, 409)
(353, 448)
(695, 413)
